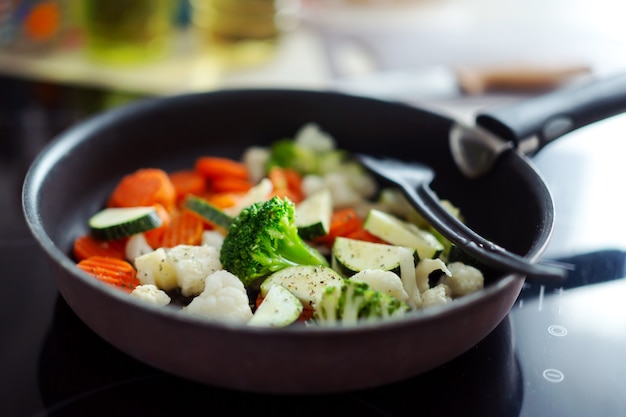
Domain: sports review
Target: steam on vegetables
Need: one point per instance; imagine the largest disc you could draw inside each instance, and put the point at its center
(295, 232)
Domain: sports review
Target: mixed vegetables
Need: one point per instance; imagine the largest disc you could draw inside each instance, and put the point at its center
(296, 232)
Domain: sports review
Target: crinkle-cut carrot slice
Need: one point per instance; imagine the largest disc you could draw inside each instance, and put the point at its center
(229, 185)
(342, 223)
(362, 234)
(219, 167)
(87, 246)
(155, 236)
(188, 182)
(294, 181)
(116, 272)
(287, 183)
(222, 200)
(144, 187)
(285, 193)
(185, 228)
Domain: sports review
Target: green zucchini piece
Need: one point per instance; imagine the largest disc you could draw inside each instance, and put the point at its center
(313, 215)
(279, 308)
(350, 256)
(306, 282)
(399, 232)
(117, 223)
(208, 211)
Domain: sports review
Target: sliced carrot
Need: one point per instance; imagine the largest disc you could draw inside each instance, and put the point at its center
(294, 181)
(347, 223)
(362, 234)
(286, 183)
(188, 182)
(230, 185)
(285, 193)
(306, 314)
(185, 228)
(342, 223)
(220, 167)
(154, 237)
(144, 187)
(87, 246)
(116, 272)
(223, 199)
(259, 300)
(278, 177)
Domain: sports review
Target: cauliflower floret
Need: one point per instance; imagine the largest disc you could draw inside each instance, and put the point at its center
(213, 238)
(383, 281)
(192, 265)
(312, 183)
(435, 296)
(312, 137)
(224, 299)
(151, 294)
(407, 274)
(136, 246)
(359, 180)
(255, 158)
(156, 269)
(393, 201)
(424, 269)
(344, 195)
(464, 279)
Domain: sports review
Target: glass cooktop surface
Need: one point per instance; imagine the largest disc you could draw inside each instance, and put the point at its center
(560, 351)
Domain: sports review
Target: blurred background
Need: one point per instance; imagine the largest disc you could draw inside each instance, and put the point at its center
(399, 49)
(63, 60)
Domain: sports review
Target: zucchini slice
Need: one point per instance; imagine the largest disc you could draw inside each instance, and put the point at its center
(117, 223)
(207, 211)
(306, 282)
(350, 256)
(398, 232)
(313, 215)
(279, 308)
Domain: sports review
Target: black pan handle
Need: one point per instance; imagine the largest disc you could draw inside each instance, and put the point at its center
(552, 115)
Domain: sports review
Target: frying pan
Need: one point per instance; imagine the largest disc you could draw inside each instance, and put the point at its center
(72, 177)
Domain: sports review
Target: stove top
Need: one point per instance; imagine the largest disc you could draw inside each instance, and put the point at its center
(558, 352)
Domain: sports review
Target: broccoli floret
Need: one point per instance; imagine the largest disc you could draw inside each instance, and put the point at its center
(288, 154)
(356, 300)
(263, 238)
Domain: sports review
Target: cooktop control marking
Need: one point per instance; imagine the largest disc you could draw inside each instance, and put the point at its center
(542, 290)
(553, 375)
(557, 330)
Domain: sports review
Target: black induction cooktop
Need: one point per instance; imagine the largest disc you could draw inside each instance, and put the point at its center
(560, 351)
